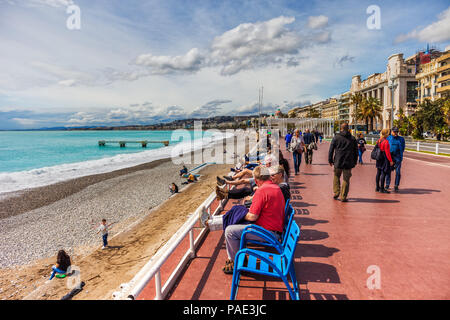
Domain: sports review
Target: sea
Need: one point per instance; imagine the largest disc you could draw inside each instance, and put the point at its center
(30, 159)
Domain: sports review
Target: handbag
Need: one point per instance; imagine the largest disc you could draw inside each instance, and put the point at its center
(376, 153)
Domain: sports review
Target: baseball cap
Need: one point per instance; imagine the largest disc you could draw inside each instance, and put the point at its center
(395, 129)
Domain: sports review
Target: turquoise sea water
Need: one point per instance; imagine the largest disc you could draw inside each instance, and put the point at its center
(35, 158)
(26, 150)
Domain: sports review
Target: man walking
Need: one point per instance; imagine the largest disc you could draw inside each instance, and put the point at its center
(288, 138)
(308, 138)
(343, 154)
(397, 147)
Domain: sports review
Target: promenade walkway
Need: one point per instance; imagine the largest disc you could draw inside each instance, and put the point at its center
(402, 235)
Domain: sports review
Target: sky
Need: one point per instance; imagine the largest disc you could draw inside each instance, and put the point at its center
(143, 62)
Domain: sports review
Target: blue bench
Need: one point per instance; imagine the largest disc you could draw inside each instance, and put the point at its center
(269, 264)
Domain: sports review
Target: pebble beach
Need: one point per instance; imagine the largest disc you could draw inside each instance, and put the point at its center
(70, 222)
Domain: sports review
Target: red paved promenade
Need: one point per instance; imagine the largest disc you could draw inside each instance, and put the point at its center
(406, 235)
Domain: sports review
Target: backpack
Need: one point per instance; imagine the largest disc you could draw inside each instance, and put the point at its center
(377, 154)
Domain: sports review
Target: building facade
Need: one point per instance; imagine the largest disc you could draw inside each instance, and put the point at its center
(344, 107)
(394, 88)
(443, 79)
(330, 109)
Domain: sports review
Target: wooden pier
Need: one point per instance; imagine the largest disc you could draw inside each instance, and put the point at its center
(122, 143)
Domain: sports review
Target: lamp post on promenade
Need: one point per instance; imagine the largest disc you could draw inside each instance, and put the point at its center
(392, 85)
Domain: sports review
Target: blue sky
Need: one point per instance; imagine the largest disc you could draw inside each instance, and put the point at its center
(138, 62)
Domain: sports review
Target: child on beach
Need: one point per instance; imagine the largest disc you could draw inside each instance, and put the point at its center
(62, 264)
(104, 229)
(173, 188)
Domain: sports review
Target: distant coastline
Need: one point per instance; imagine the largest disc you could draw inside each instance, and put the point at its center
(218, 122)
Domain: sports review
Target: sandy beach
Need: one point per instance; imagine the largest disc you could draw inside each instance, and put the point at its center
(37, 223)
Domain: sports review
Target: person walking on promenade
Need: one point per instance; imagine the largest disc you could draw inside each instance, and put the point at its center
(309, 139)
(397, 147)
(296, 147)
(385, 163)
(288, 138)
(361, 147)
(343, 154)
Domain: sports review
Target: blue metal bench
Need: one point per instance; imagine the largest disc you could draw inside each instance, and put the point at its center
(270, 240)
(269, 264)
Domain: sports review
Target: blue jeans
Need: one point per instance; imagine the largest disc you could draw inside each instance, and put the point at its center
(55, 271)
(297, 161)
(105, 240)
(360, 153)
(397, 168)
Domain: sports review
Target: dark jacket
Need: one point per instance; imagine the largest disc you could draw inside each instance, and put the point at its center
(308, 138)
(343, 151)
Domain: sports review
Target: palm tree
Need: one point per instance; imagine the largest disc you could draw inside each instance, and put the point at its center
(358, 100)
(372, 110)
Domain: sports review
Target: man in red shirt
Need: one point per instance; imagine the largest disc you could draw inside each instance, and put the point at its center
(267, 211)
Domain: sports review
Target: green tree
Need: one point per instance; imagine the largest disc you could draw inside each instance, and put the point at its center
(372, 110)
(357, 100)
(313, 114)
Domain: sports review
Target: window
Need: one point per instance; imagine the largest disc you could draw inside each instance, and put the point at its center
(409, 70)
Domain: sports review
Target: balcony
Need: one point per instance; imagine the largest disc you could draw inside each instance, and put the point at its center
(443, 89)
(443, 78)
(444, 68)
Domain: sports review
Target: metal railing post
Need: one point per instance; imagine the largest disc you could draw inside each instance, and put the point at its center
(191, 242)
(158, 285)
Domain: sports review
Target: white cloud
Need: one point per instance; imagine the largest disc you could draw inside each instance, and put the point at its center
(190, 62)
(51, 3)
(438, 31)
(252, 44)
(244, 47)
(317, 22)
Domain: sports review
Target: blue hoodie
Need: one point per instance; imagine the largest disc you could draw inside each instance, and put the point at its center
(397, 147)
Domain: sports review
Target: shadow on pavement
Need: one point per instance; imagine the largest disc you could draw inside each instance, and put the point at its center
(417, 191)
(371, 200)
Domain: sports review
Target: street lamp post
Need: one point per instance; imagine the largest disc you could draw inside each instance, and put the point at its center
(392, 85)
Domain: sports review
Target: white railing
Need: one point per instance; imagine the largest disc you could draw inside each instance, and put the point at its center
(152, 269)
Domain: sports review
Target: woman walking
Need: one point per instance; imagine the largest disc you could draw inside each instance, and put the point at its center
(361, 147)
(385, 163)
(296, 147)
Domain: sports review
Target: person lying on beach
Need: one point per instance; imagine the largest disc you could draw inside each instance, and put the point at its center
(173, 188)
(103, 228)
(190, 179)
(183, 171)
(62, 264)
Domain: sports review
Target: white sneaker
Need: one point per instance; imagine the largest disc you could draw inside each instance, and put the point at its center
(103, 247)
(204, 216)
